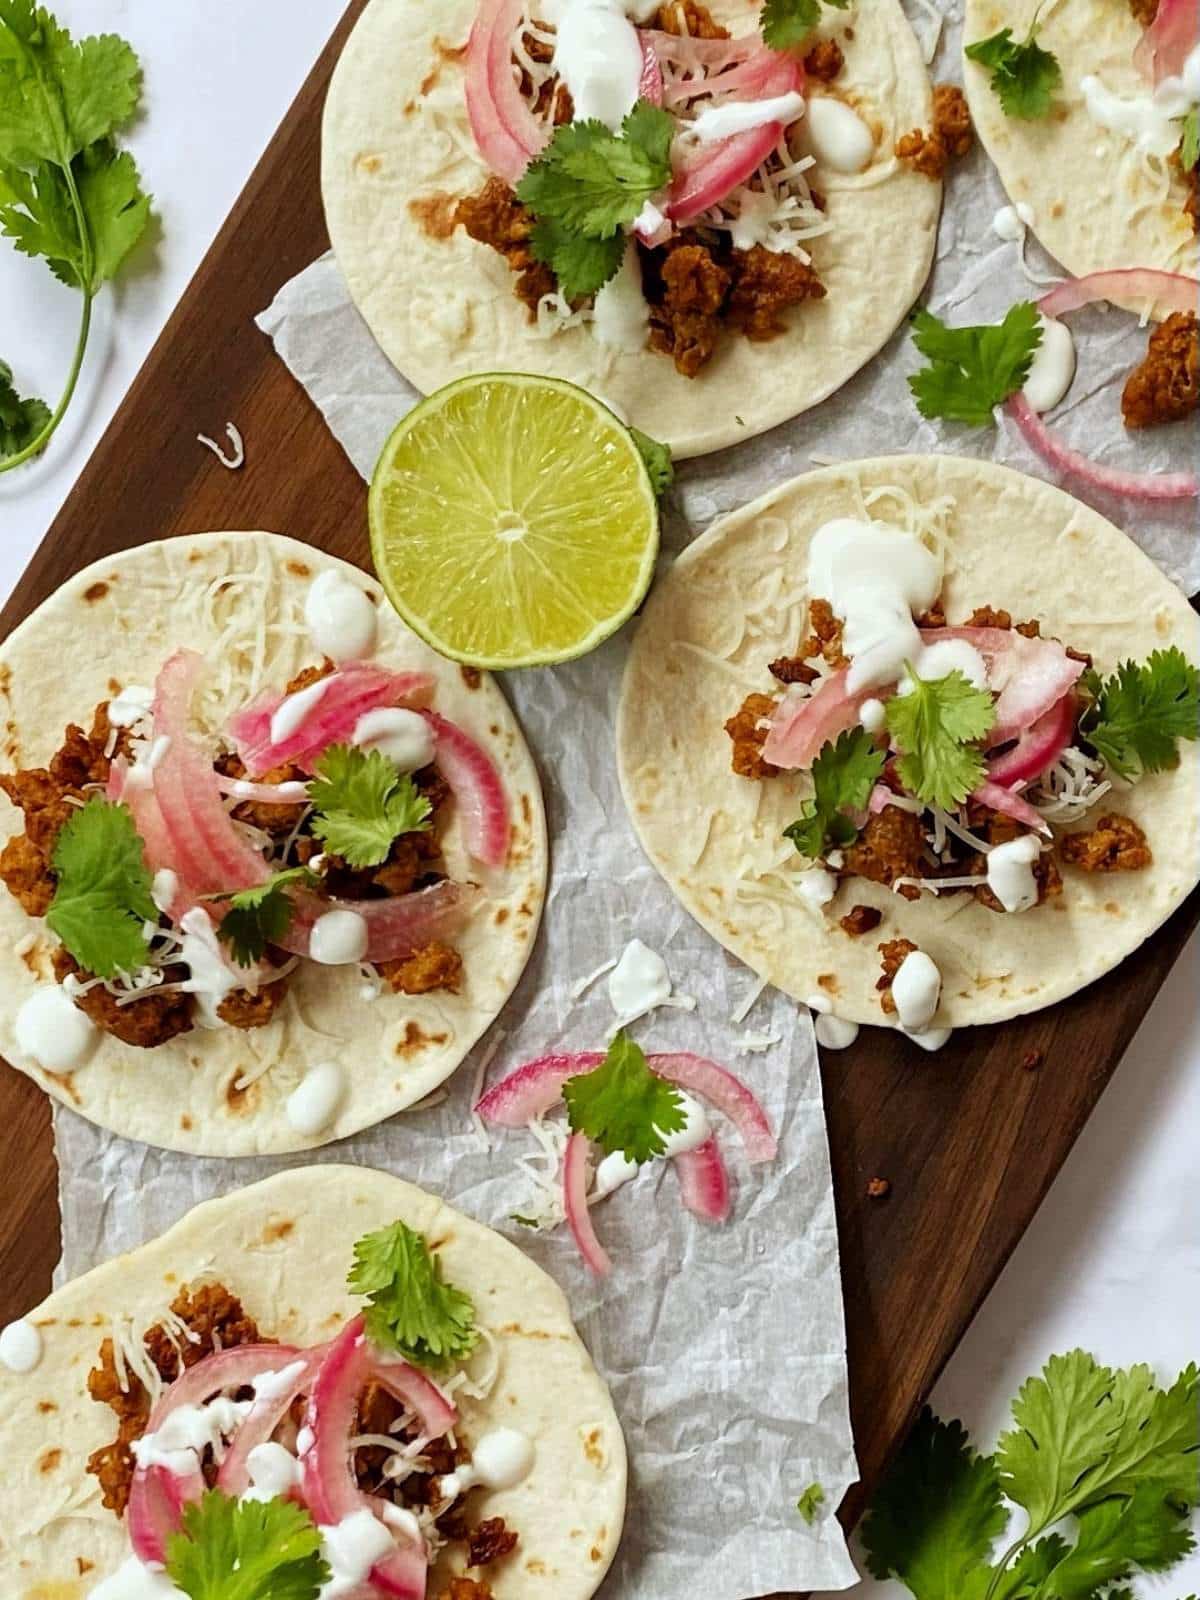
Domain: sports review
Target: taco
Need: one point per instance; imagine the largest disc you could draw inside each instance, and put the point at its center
(1089, 113)
(751, 240)
(253, 1385)
(270, 865)
(910, 737)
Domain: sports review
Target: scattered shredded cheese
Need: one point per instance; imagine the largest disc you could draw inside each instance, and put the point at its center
(233, 461)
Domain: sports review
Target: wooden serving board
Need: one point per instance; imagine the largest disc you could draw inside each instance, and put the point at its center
(969, 1139)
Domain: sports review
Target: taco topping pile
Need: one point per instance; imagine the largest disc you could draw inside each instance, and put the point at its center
(653, 176)
(184, 879)
(980, 758)
(336, 1469)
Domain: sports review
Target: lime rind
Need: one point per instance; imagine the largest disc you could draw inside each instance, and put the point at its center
(560, 467)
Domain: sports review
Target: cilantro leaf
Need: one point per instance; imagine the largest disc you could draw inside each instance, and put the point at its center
(933, 727)
(1139, 714)
(1189, 146)
(412, 1309)
(593, 181)
(102, 899)
(972, 370)
(246, 1550)
(844, 775)
(260, 916)
(1065, 1425)
(66, 194)
(933, 1519)
(1024, 76)
(658, 461)
(1116, 1535)
(810, 1503)
(789, 22)
(622, 1105)
(21, 421)
(582, 265)
(363, 804)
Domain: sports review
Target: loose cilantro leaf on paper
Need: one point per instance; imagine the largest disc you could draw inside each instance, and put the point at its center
(934, 726)
(587, 186)
(1024, 76)
(412, 1309)
(934, 1518)
(789, 22)
(1138, 715)
(260, 916)
(843, 775)
(362, 804)
(246, 1550)
(658, 461)
(102, 900)
(1189, 148)
(622, 1105)
(67, 194)
(21, 421)
(810, 1503)
(973, 370)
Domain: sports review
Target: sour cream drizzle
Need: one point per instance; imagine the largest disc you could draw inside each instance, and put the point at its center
(621, 316)
(313, 1104)
(52, 1031)
(916, 989)
(838, 136)
(598, 56)
(338, 939)
(20, 1347)
(130, 706)
(499, 1460)
(1053, 368)
(1151, 121)
(210, 978)
(834, 1033)
(289, 715)
(742, 116)
(403, 736)
(1010, 872)
(340, 618)
(875, 578)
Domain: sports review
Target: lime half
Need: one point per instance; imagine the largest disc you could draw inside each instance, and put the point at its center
(513, 521)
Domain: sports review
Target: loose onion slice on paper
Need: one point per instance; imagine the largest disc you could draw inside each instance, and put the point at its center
(575, 1204)
(704, 1183)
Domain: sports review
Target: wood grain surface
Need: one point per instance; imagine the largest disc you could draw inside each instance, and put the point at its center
(969, 1139)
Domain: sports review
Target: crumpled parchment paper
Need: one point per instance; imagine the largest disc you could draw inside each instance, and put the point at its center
(725, 1348)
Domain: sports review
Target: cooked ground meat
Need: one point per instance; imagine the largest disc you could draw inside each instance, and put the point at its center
(496, 217)
(686, 288)
(1144, 11)
(437, 966)
(218, 1321)
(793, 669)
(748, 738)
(890, 846)
(827, 633)
(765, 285)
(935, 617)
(143, 1023)
(307, 676)
(490, 1541)
(825, 60)
(861, 919)
(1165, 387)
(892, 955)
(688, 18)
(241, 1009)
(1115, 844)
(467, 1589)
(988, 617)
(930, 153)
(25, 869)
(277, 820)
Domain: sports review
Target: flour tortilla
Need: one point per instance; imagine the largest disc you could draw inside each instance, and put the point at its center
(284, 1247)
(396, 137)
(1098, 204)
(1012, 542)
(117, 623)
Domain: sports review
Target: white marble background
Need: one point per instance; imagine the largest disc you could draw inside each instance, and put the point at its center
(1112, 1261)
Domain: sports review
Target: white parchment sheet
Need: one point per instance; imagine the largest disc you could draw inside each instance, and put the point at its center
(725, 1348)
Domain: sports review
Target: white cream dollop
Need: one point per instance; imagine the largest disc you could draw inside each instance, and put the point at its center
(1010, 872)
(1150, 120)
(875, 578)
(273, 1471)
(1053, 368)
(403, 736)
(816, 887)
(130, 705)
(617, 1169)
(940, 659)
(621, 316)
(338, 939)
(598, 56)
(313, 1103)
(52, 1031)
(500, 1459)
(639, 982)
(838, 136)
(20, 1346)
(742, 116)
(290, 714)
(352, 1547)
(134, 1581)
(929, 1039)
(835, 1033)
(1010, 222)
(188, 1432)
(916, 989)
(871, 714)
(210, 977)
(340, 618)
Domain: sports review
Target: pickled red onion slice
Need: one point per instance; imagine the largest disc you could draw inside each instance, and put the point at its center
(704, 1181)
(579, 1216)
(477, 788)
(1038, 748)
(349, 693)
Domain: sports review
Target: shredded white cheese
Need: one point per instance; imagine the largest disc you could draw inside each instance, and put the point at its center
(237, 456)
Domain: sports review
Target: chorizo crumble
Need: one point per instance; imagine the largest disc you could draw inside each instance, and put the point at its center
(1165, 386)
(1115, 844)
(951, 135)
(892, 955)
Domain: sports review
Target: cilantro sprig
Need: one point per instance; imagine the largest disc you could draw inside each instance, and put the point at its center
(412, 1309)
(66, 193)
(1137, 716)
(587, 186)
(973, 370)
(1024, 76)
(246, 1550)
(786, 23)
(1189, 144)
(261, 916)
(657, 457)
(102, 900)
(811, 1503)
(844, 774)
(622, 1105)
(363, 804)
(1110, 1449)
(934, 726)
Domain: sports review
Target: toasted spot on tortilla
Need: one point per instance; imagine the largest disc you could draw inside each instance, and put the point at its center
(185, 1122)
(494, 731)
(49, 1459)
(415, 1038)
(501, 916)
(299, 569)
(282, 1228)
(1112, 908)
(592, 1447)
(84, 1565)
(240, 1101)
(46, 1407)
(67, 1084)
(449, 52)
(526, 1333)
(94, 592)
(828, 981)
(525, 909)
(471, 676)
(596, 1553)
(526, 808)
(434, 214)
(537, 1567)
